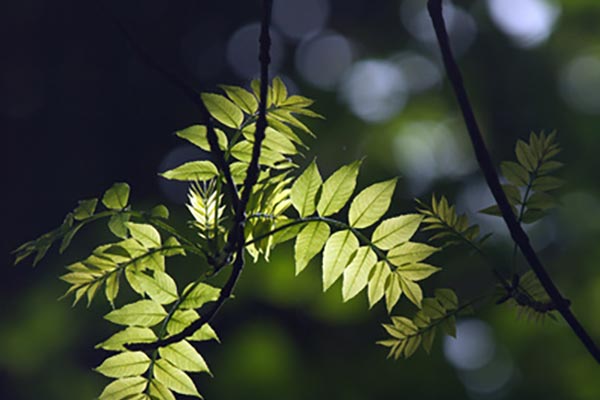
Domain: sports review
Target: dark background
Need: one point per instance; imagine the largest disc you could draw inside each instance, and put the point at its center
(79, 111)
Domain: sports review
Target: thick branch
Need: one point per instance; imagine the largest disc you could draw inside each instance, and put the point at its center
(485, 163)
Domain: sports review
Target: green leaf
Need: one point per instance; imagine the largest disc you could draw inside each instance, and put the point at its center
(68, 238)
(124, 388)
(129, 335)
(117, 197)
(428, 337)
(180, 320)
(412, 344)
(545, 183)
(117, 225)
(309, 243)
(370, 204)
(514, 173)
(412, 291)
(158, 391)
(223, 110)
(128, 363)
(206, 332)
(336, 256)
(85, 209)
(242, 98)
(337, 189)
(111, 289)
(410, 252)
(433, 309)
(161, 287)
(393, 291)
(146, 234)
(549, 166)
(160, 211)
(174, 378)
(394, 231)
(526, 158)
(192, 171)
(447, 298)
(243, 152)
(541, 201)
(273, 140)
(184, 356)
(417, 271)
(279, 91)
(356, 275)
(530, 216)
(198, 136)
(448, 326)
(304, 190)
(144, 313)
(512, 194)
(377, 281)
(196, 295)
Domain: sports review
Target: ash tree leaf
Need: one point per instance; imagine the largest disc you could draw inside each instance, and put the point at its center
(124, 388)
(174, 378)
(161, 287)
(192, 171)
(417, 271)
(198, 295)
(223, 110)
(525, 157)
(394, 231)
(514, 173)
(304, 190)
(541, 201)
(336, 256)
(428, 338)
(85, 209)
(184, 356)
(132, 334)
(160, 211)
(242, 98)
(433, 309)
(309, 243)
(447, 298)
(370, 204)
(111, 289)
(448, 326)
(412, 345)
(206, 332)
(377, 282)
(198, 136)
(412, 291)
(279, 91)
(180, 320)
(546, 183)
(337, 189)
(274, 140)
(512, 194)
(158, 391)
(410, 252)
(144, 313)
(356, 275)
(118, 225)
(128, 363)
(146, 234)
(117, 197)
(393, 291)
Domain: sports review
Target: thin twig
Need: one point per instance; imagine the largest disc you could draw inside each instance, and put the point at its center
(485, 164)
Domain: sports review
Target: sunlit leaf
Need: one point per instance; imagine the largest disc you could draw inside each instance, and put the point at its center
(85, 209)
(161, 287)
(132, 334)
(124, 388)
(370, 204)
(128, 363)
(309, 243)
(184, 356)
(174, 378)
(196, 295)
(412, 291)
(144, 313)
(337, 189)
(394, 231)
(146, 234)
(336, 256)
(242, 98)
(117, 197)
(410, 252)
(417, 271)
(192, 171)
(197, 135)
(377, 281)
(304, 190)
(356, 275)
(158, 391)
(223, 110)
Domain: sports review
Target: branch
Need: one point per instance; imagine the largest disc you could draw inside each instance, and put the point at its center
(485, 164)
(237, 242)
(188, 90)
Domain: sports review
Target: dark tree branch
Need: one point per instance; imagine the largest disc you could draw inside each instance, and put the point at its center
(236, 243)
(485, 164)
(188, 90)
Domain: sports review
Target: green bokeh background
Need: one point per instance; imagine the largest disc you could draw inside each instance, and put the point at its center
(105, 117)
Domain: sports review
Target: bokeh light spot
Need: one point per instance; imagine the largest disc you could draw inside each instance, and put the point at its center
(473, 347)
(297, 19)
(242, 51)
(579, 84)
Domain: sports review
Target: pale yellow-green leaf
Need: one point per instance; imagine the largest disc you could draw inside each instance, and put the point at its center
(336, 256)
(394, 231)
(304, 190)
(133, 279)
(197, 135)
(124, 388)
(111, 290)
(243, 151)
(242, 98)
(117, 197)
(174, 378)
(146, 234)
(132, 334)
(158, 391)
(192, 171)
(356, 275)
(309, 243)
(377, 281)
(337, 189)
(410, 252)
(393, 291)
(273, 140)
(206, 332)
(197, 295)
(184, 356)
(128, 363)
(412, 291)
(412, 344)
(370, 204)
(279, 91)
(144, 313)
(223, 110)
(160, 288)
(417, 271)
(180, 320)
